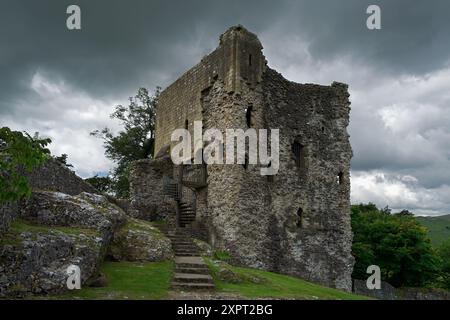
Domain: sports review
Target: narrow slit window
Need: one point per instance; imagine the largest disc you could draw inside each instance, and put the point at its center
(299, 217)
(186, 124)
(250, 60)
(340, 178)
(299, 153)
(248, 116)
(245, 165)
(269, 177)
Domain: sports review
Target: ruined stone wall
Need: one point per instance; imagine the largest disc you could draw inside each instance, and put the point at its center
(255, 217)
(319, 246)
(8, 213)
(180, 102)
(298, 221)
(147, 199)
(52, 176)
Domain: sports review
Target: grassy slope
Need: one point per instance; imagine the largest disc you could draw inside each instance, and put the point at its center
(439, 228)
(129, 280)
(269, 284)
(133, 280)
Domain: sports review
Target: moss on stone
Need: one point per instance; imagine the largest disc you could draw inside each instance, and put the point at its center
(13, 235)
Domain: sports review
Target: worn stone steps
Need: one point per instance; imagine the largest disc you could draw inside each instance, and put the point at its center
(191, 272)
(196, 270)
(192, 286)
(192, 278)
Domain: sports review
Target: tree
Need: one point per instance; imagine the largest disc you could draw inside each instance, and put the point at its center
(19, 153)
(102, 184)
(62, 159)
(444, 254)
(397, 243)
(136, 140)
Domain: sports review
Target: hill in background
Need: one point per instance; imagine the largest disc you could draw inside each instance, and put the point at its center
(439, 228)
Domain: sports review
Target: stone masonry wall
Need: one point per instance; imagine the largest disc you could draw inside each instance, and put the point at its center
(52, 176)
(298, 221)
(148, 201)
(180, 102)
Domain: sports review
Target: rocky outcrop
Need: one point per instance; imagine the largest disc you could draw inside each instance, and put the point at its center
(8, 212)
(138, 240)
(54, 231)
(36, 261)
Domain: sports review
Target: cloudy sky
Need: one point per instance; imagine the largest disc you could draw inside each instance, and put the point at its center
(63, 84)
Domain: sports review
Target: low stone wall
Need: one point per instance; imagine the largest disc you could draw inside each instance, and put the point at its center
(388, 292)
(8, 212)
(53, 176)
(147, 199)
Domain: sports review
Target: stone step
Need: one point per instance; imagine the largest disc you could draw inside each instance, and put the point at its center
(183, 248)
(180, 242)
(188, 262)
(192, 278)
(186, 254)
(196, 270)
(192, 286)
(187, 246)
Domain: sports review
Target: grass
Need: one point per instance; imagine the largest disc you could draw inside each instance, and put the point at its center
(263, 284)
(129, 280)
(438, 228)
(221, 255)
(12, 236)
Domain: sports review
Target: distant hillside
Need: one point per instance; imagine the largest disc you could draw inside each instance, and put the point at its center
(439, 228)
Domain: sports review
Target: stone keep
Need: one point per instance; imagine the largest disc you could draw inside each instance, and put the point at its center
(298, 221)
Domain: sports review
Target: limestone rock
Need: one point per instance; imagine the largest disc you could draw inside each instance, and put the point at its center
(55, 230)
(85, 210)
(36, 262)
(138, 240)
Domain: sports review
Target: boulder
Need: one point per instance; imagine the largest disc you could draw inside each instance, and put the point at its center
(139, 240)
(55, 230)
(36, 261)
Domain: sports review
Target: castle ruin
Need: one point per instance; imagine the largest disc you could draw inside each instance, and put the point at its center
(296, 222)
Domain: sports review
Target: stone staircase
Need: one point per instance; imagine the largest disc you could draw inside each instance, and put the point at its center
(187, 214)
(191, 272)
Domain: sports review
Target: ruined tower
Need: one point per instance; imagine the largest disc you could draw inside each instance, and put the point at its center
(296, 222)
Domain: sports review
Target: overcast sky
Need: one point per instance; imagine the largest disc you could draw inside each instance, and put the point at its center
(63, 84)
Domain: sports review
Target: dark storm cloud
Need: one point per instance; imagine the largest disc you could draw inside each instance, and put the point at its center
(125, 44)
(64, 83)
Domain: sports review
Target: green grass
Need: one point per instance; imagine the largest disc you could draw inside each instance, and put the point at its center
(263, 284)
(12, 236)
(221, 255)
(129, 280)
(438, 228)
